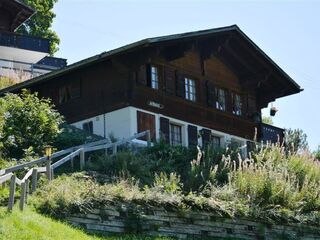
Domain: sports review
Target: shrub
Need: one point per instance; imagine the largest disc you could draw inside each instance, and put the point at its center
(271, 185)
(71, 136)
(27, 124)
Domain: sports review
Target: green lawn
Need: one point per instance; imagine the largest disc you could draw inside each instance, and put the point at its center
(31, 225)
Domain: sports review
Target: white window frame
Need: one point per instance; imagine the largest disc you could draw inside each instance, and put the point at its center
(190, 89)
(175, 142)
(154, 77)
(221, 99)
(236, 104)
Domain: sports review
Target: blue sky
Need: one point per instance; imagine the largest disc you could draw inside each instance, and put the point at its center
(288, 31)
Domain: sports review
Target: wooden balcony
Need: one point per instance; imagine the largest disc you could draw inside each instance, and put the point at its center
(269, 133)
(8, 39)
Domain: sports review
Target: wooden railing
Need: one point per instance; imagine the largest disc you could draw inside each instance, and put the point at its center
(269, 133)
(7, 175)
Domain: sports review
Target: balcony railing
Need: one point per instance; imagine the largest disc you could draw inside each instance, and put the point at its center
(269, 133)
(24, 42)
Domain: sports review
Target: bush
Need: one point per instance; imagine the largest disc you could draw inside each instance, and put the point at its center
(27, 124)
(71, 136)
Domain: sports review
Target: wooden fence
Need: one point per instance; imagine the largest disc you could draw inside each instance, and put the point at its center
(8, 175)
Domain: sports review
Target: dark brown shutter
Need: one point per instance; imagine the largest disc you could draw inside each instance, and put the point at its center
(142, 75)
(164, 129)
(146, 121)
(148, 74)
(244, 99)
(211, 95)
(206, 134)
(169, 82)
(192, 135)
(229, 105)
(180, 85)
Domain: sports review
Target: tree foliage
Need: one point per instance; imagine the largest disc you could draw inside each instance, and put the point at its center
(317, 153)
(39, 25)
(27, 124)
(296, 140)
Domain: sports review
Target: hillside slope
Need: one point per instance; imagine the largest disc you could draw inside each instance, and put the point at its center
(29, 225)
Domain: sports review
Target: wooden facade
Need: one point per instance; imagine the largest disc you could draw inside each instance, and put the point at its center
(233, 80)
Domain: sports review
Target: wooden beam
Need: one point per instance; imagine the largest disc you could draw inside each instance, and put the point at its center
(240, 59)
(12, 192)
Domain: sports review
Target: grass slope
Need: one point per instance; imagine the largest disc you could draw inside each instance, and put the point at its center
(31, 225)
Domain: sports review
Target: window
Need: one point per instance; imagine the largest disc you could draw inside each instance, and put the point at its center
(88, 127)
(154, 77)
(236, 104)
(69, 91)
(220, 99)
(215, 141)
(175, 135)
(190, 89)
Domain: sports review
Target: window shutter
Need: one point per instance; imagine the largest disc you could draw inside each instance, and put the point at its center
(164, 129)
(146, 121)
(229, 105)
(142, 75)
(211, 95)
(192, 135)
(169, 75)
(180, 85)
(244, 99)
(148, 75)
(206, 133)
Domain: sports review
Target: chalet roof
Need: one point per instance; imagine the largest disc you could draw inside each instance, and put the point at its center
(149, 42)
(20, 12)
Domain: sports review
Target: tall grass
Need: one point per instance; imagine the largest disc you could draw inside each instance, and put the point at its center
(271, 184)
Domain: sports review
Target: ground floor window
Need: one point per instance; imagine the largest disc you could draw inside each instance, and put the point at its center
(215, 141)
(175, 134)
(88, 127)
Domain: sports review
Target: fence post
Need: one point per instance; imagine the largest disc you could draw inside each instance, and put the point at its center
(22, 196)
(48, 168)
(72, 163)
(34, 180)
(82, 159)
(27, 189)
(148, 138)
(12, 192)
(114, 149)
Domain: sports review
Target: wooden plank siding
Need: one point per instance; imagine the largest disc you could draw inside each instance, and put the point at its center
(118, 82)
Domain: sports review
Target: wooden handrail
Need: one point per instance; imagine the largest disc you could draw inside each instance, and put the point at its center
(7, 174)
(66, 158)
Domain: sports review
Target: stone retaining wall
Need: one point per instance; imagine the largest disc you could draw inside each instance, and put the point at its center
(185, 225)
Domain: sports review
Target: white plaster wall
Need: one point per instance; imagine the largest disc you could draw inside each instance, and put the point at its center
(98, 123)
(122, 123)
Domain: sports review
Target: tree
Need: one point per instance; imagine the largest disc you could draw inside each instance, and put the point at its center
(39, 25)
(27, 124)
(296, 140)
(317, 153)
(267, 120)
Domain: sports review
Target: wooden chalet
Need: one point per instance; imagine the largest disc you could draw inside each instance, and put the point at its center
(190, 88)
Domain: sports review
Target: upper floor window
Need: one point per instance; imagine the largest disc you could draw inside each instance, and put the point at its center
(69, 91)
(236, 104)
(190, 89)
(154, 77)
(220, 99)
